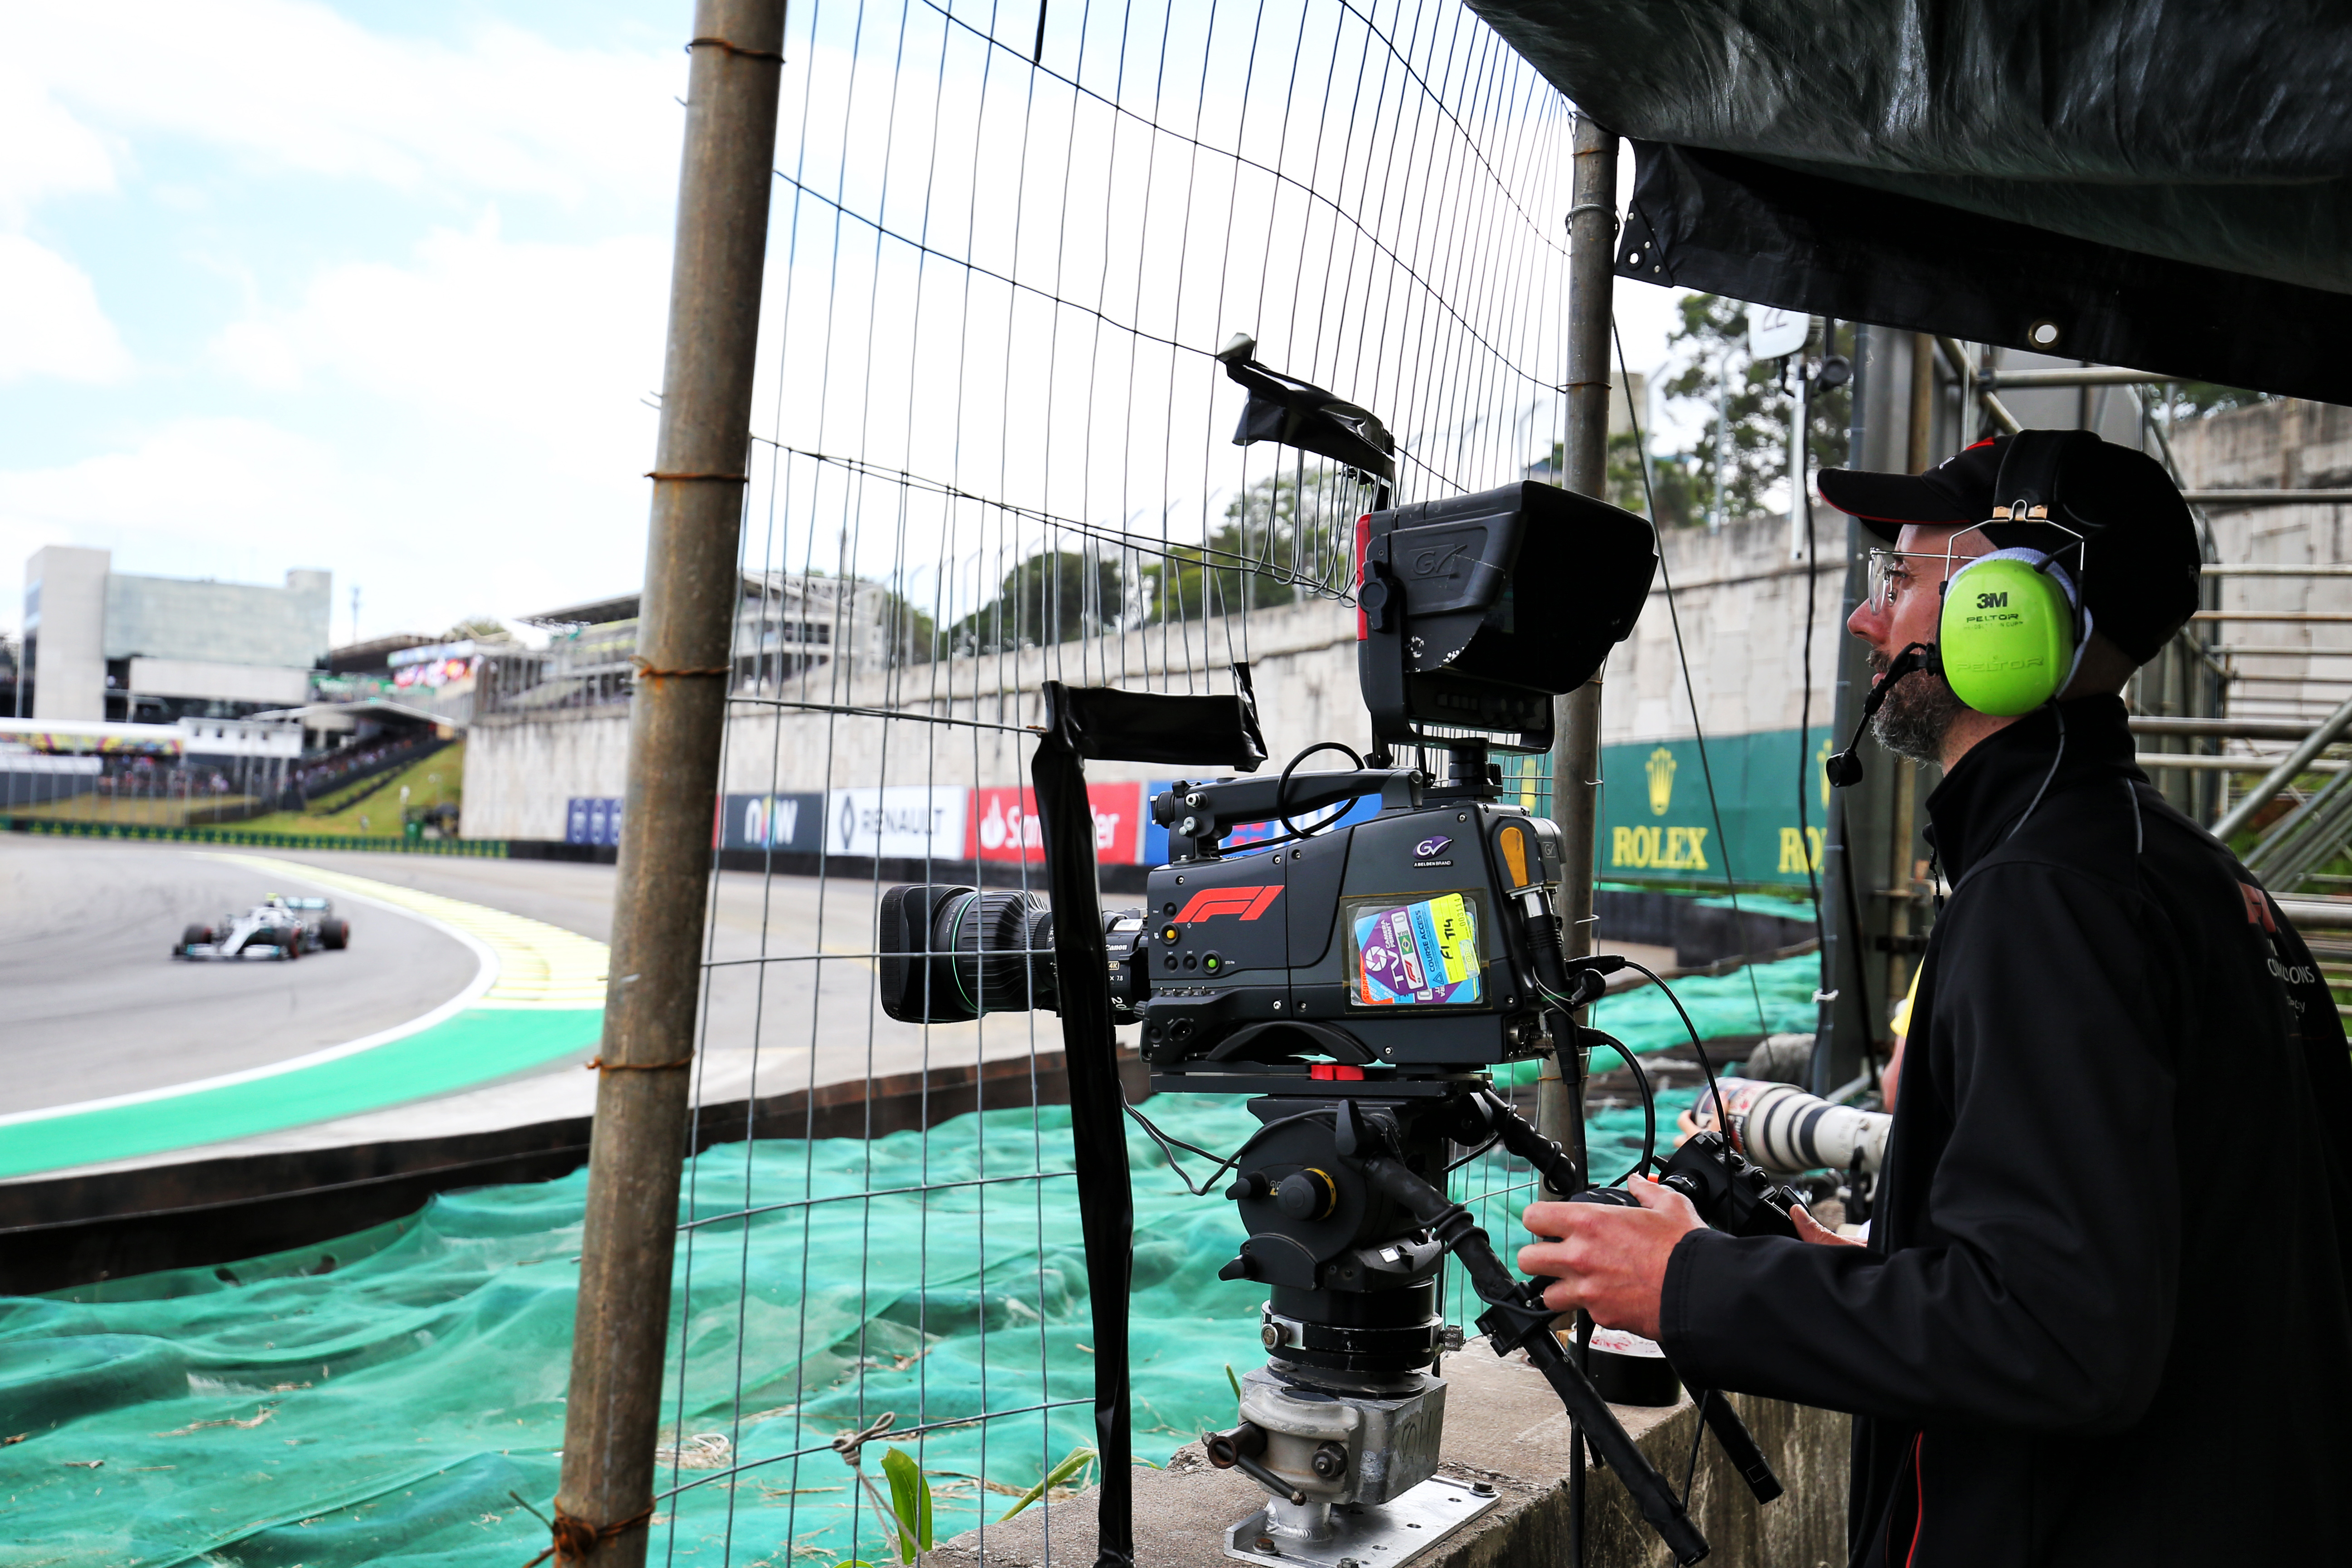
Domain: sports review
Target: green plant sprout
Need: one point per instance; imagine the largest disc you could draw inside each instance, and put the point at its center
(910, 1501)
(1072, 1463)
(909, 1511)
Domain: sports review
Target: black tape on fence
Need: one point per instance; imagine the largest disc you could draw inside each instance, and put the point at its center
(1098, 1128)
(1154, 727)
(1139, 727)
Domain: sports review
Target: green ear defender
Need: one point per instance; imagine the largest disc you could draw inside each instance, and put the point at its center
(2010, 632)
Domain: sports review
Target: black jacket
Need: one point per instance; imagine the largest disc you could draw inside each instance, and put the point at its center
(2103, 1315)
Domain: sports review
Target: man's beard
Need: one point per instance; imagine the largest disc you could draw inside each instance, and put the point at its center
(1916, 714)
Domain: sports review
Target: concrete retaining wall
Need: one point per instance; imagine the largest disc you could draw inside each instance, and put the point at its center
(1504, 1426)
(518, 774)
(1740, 603)
(2286, 444)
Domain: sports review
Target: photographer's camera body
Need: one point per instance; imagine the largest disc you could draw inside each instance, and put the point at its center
(1397, 943)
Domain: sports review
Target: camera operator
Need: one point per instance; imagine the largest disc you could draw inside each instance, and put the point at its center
(2102, 1317)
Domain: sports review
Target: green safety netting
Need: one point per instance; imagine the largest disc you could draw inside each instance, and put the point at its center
(1761, 999)
(387, 1398)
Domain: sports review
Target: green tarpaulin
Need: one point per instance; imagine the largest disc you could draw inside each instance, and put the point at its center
(386, 1397)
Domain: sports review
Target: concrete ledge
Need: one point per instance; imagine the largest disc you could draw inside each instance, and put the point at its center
(1504, 1426)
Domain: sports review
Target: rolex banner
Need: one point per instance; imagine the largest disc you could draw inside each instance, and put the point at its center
(1657, 826)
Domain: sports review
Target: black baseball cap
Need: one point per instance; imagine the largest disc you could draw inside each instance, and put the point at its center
(2139, 559)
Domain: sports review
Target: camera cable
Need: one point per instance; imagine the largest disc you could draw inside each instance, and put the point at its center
(1282, 788)
(2058, 714)
(1698, 1434)
(1608, 964)
(1168, 1144)
(1649, 1104)
(1722, 1116)
(1473, 1153)
(1640, 1082)
(1802, 478)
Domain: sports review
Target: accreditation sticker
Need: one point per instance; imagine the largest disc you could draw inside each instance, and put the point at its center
(1420, 951)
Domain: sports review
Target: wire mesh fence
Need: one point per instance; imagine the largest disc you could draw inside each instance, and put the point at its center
(1008, 245)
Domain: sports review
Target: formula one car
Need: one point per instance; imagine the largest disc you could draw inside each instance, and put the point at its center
(277, 927)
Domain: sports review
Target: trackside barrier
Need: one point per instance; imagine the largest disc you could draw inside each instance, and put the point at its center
(474, 849)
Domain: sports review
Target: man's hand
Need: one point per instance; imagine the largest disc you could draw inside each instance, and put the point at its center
(1609, 1260)
(1811, 1230)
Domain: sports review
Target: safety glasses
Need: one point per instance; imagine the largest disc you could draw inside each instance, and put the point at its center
(1895, 573)
(1891, 577)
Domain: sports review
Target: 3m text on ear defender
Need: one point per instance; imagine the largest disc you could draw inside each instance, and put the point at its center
(2008, 632)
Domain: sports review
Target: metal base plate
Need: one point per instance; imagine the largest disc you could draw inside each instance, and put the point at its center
(1370, 1535)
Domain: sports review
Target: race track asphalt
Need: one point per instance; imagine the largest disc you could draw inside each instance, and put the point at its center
(92, 1005)
(790, 1001)
(95, 1006)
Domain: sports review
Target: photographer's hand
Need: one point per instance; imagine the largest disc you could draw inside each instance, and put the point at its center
(1609, 1260)
(1811, 1230)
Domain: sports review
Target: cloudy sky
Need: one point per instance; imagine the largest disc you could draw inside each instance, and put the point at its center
(377, 287)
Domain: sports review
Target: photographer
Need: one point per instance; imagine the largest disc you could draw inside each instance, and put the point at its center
(2102, 1317)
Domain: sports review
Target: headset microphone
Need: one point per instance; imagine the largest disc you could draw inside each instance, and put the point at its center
(1844, 768)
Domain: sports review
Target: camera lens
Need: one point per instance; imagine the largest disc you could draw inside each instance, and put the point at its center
(1002, 945)
(949, 954)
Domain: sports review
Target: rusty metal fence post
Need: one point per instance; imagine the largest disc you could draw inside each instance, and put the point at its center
(1576, 755)
(677, 720)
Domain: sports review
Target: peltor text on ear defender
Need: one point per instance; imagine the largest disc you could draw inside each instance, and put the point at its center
(2006, 632)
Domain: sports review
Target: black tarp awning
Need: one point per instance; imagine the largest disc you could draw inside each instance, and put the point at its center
(2168, 185)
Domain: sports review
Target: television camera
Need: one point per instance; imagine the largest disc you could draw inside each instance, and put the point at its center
(1358, 981)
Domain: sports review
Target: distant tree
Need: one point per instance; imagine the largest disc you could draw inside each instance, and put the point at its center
(1626, 484)
(1262, 550)
(478, 628)
(1680, 498)
(1053, 596)
(908, 631)
(1761, 399)
(2197, 399)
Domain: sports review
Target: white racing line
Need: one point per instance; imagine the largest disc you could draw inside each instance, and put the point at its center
(521, 962)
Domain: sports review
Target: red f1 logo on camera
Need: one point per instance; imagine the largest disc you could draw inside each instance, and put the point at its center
(1247, 902)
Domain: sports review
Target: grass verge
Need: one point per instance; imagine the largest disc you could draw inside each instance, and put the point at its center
(436, 780)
